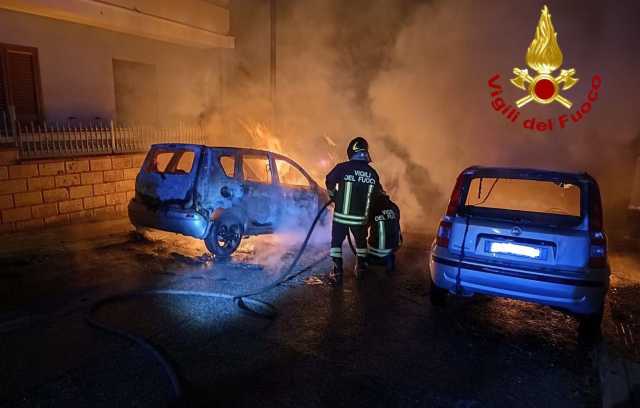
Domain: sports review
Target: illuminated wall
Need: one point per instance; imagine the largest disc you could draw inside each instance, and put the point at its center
(182, 40)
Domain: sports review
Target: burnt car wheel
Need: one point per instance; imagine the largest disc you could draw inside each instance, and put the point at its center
(225, 236)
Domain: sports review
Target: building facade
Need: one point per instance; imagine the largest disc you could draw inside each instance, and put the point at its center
(151, 62)
(86, 86)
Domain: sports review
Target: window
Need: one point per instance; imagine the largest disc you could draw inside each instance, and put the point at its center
(228, 164)
(290, 175)
(161, 161)
(256, 168)
(185, 161)
(20, 83)
(525, 195)
(171, 162)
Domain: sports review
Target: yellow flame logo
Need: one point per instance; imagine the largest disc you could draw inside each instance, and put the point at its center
(544, 56)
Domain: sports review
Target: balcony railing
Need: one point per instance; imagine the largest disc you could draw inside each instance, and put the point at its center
(49, 140)
(7, 131)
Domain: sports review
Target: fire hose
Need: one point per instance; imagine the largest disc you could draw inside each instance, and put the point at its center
(243, 301)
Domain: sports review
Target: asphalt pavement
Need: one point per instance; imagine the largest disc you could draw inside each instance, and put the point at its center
(373, 343)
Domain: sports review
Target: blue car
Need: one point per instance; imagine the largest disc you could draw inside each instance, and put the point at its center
(533, 235)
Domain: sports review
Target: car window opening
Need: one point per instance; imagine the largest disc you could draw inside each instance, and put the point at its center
(172, 162)
(256, 169)
(290, 175)
(524, 196)
(228, 164)
(484, 200)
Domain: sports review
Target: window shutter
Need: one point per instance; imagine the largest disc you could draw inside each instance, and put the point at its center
(4, 105)
(22, 84)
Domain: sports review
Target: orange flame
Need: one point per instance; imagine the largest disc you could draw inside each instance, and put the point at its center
(263, 138)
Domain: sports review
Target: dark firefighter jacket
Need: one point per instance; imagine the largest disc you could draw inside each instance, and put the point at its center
(352, 183)
(384, 235)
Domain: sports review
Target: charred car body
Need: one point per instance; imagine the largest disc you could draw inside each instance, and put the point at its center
(220, 194)
(534, 235)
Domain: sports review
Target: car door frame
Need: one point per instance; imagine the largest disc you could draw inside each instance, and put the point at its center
(216, 179)
(165, 184)
(288, 192)
(270, 191)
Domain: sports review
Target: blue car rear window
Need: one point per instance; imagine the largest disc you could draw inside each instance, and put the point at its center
(543, 202)
(170, 161)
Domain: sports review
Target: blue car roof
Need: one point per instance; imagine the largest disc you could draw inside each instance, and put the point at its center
(174, 145)
(526, 173)
(224, 148)
(227, 148)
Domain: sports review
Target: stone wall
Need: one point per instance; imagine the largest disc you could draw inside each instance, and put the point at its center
(39, 193)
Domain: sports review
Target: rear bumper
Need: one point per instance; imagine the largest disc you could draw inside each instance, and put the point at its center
(579, 296)
(186, 222)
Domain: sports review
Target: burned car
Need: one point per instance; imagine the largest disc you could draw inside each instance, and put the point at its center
(222, 194)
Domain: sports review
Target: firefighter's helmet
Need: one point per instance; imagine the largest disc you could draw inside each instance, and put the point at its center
(358, 149)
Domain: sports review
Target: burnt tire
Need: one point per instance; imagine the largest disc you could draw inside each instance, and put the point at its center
(437, 295)
(225, 236)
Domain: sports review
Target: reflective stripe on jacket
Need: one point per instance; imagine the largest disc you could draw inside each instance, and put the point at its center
(353, 183)
(384, 235)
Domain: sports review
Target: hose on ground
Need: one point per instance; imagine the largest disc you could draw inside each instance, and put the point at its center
(287, 275)
(153, 350)
(244, 302)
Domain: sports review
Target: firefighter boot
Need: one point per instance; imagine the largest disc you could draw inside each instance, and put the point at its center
(390, 264)
(335, 276)
(361, 267)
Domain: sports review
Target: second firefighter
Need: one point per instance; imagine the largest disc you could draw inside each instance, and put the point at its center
(385, 236)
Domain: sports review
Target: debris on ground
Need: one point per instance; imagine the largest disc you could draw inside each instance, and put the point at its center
(138, 236)
(624, 320)
(205, 258)
(313, 280)
(201, 260)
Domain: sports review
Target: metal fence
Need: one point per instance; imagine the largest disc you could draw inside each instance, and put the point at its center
(7, 131)
(65, 139)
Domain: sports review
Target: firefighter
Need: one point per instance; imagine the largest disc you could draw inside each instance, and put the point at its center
(385, 236)
(351, 185)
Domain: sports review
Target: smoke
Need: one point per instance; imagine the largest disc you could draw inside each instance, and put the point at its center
(411, 76)
(275, 252)
(434, 97)
(414, 176)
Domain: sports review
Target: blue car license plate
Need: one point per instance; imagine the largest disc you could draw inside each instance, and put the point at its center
(515, 249)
